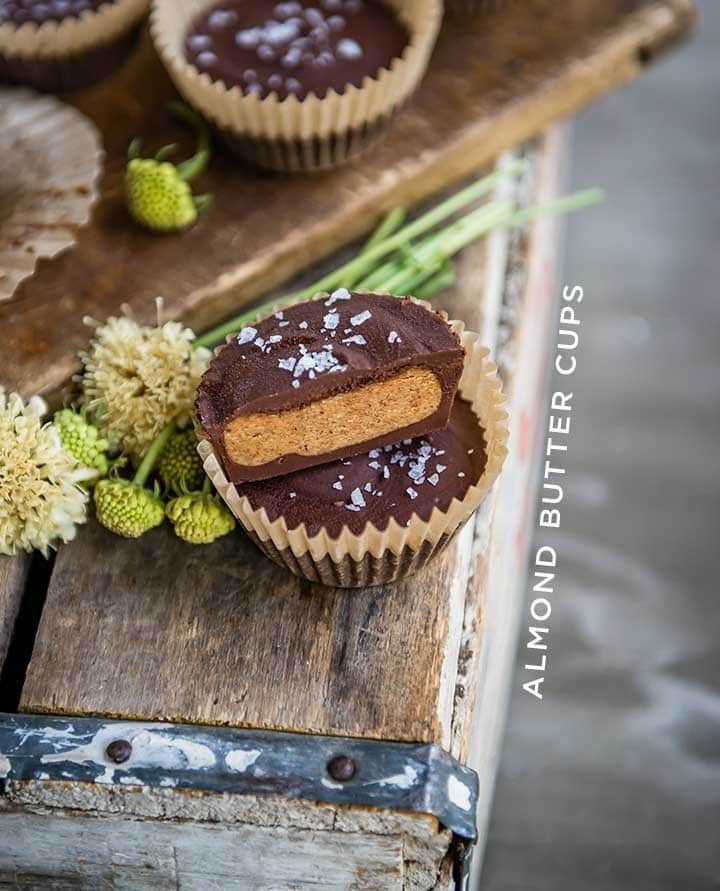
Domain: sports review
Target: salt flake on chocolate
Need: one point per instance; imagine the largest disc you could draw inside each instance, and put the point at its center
(331, 320)
(356, 338)
(412, 493)
(357, 498)
(340, 294)
(360, 318)
(246, 335)
(394, 337)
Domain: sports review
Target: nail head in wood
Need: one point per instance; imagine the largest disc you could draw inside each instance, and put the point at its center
(119, 750)
(341, 768)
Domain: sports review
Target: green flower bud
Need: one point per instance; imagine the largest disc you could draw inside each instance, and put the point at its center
(157, 197)
(126, 508)
(158, 193)
(199, 519)
(180, 467)
(82, 441)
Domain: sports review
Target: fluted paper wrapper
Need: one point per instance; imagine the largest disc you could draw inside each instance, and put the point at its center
(375, 557)
(294, 134)
(51, 158)
(73, 34)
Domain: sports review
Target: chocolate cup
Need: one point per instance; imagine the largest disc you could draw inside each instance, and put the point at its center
(350, 573)
(65, 74)
(297, 135)
(304, 156)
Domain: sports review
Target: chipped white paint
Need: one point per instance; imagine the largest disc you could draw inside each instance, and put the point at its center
(402, 780)
(5, 766)
(151, 748)
(329, 784)
(241, 759)
(458, 793)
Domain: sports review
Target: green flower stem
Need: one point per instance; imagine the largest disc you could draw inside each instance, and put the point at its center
(419, 263)
(390, 224)
(152, 455)
(195, 165)
(365, 261)
(443, 279)
(206, 486)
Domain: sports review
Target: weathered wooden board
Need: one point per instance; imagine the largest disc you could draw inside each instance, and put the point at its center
(110, 852)
(498, 75)
(13, 575)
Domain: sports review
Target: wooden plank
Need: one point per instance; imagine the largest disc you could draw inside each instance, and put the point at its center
(499, 601)
(67, 852)
(497, 75)
(422, 844)
(156, 629)
(13, 576)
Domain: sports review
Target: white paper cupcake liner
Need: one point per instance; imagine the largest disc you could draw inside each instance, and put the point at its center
(50, 163)
(73, 34)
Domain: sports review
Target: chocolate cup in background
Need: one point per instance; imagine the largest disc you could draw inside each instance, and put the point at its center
(376, 556)
(296, 135)
(74, 53)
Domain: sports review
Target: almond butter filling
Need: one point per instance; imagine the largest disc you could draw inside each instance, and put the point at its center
(376, 409)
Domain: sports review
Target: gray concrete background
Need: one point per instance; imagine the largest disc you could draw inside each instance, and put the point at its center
(613, 780)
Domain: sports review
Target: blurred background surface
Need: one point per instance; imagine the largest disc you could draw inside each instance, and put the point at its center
(613, 780)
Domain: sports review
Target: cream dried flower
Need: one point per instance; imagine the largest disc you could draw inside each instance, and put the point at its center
(41, 501)
(142, 378)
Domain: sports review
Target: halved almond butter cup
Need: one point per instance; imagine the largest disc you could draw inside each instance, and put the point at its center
(378, 556)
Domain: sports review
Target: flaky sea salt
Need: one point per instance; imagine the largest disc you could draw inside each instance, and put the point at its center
(356, 338)
(331, 320)
(434, 479)
(394, 337)
(246, 335)
(360, 318)
(357, 498)
(412, 493)
(340, 294)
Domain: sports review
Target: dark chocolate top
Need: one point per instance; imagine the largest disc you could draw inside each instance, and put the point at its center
(295, 47)
(397, 481)
(316, 349)
(38, 11)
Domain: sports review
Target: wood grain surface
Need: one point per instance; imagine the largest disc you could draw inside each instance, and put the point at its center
(13, 575)
(497, 75)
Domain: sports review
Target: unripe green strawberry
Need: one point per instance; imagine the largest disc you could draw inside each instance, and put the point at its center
(199, 519)
(82, 441)
(126, 508)
(180, 468)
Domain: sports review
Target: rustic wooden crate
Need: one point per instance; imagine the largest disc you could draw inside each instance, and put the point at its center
(155, 630)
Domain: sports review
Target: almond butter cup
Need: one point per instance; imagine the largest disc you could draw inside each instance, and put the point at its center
(298, 134)
(378, 556)
(73, 53)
